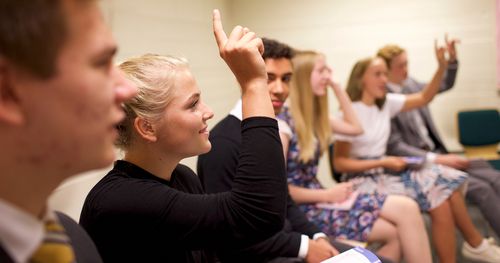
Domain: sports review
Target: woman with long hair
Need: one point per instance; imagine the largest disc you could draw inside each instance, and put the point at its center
(393, 220)
(436, 188)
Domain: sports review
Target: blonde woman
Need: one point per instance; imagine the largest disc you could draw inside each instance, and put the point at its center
(435, 188)
(149, 208)
(393, 220)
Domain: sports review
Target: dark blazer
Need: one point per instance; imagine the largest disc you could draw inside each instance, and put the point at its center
(84, 248)
(216, 170)
(404, 139)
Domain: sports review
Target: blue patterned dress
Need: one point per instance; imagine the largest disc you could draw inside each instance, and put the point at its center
(429, 185)
(354, 224)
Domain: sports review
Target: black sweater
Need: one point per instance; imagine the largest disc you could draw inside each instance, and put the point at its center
(134, 216)
(217, 169)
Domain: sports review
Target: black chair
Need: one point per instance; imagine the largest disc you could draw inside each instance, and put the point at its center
(335, 175)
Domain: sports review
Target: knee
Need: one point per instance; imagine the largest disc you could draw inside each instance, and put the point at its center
(406, 205)
(480, 192)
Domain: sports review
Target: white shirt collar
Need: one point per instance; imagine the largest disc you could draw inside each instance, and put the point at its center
(237, 110)
(20, 233)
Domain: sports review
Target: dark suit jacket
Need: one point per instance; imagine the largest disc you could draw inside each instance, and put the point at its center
(216, 170)
(84, 248)
(404, 139)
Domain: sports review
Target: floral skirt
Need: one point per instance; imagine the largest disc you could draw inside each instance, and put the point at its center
(354, 224)
(428, 186)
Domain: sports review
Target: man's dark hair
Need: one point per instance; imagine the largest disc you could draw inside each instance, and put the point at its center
(32, 33)
(274, 49)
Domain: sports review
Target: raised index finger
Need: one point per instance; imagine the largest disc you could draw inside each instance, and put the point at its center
(220, 35)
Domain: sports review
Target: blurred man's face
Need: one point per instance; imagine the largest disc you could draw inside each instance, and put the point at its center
(279, 75)
(398, 69)
(72, 114)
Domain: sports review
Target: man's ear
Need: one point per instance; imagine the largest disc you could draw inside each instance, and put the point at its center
(10, 105)
(145, 129)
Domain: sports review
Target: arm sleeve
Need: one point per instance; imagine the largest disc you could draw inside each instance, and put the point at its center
(398, 146)
(394, 103)
(256, 204)
(299, 221)
(451, 75)
(253, 210)
(282, 244)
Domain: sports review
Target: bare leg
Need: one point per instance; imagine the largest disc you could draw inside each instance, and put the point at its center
(385, 232)
(404, 213)
(463, 220)
(443, 232)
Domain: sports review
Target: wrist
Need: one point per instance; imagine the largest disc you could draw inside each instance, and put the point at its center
(320, 235)
(324, 196)
(431, 157)
(383, 162)
(254, 85)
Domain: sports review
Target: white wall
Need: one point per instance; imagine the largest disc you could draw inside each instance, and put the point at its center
(344, 30)
(349, 30)
(181, 28)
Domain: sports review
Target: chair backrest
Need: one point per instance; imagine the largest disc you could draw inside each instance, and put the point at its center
(479, 132)
(479, 127)
(336, 175)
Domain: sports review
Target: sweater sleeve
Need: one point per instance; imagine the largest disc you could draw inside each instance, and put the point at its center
(255, 207)
(253, 210)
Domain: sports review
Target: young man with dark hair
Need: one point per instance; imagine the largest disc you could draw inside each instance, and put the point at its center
(300, 240)
(60, 97)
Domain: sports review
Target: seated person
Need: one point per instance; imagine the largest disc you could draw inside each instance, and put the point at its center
(393, 220)
(149, 208)
(59, 97)
(414, 133)
(217, 168)
(435, 188)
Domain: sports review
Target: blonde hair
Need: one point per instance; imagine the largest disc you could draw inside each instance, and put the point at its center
(388, 52)
(309, 112)
(355, 83)
(155, 77)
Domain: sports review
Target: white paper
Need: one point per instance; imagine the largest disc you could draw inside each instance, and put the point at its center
(354, 255)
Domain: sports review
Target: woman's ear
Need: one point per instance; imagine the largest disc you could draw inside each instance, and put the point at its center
(145, 129)
(10, 106)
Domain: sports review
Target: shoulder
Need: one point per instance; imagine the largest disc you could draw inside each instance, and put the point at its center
(229, 122)
(83, 246)
(185, 180)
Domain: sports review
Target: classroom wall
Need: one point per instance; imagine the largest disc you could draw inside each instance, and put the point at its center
(181, 28)
(344, 30)
(349, 30)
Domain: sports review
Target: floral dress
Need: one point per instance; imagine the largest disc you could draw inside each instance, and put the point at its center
(355, 223)
(429, 185)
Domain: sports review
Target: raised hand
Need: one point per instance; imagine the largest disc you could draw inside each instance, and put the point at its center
(242, 51)
(440, 54)
(450, 46)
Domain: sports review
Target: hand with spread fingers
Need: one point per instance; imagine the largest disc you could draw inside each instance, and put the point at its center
(440, 54)
(450, 47)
